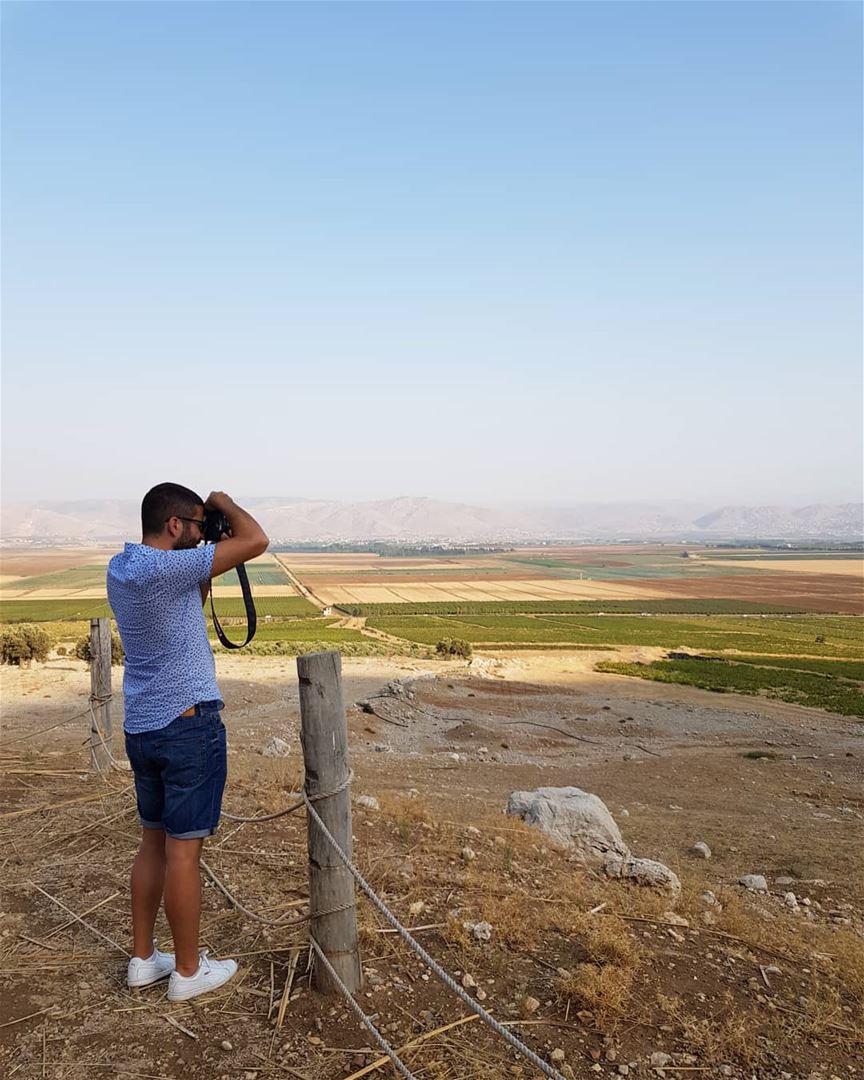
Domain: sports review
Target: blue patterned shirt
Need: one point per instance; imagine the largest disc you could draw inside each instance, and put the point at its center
(156, 600)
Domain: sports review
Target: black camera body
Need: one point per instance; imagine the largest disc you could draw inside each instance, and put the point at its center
(215, 525)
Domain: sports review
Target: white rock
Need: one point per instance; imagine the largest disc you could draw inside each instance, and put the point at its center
(582, 822)
(467, 854)
(575, 818)
(701, 850)
(674, 918)
(417, 908)
(530, 1005)
(753, 882)
(659, 1060)
(276, 748)
(708, 897)
(791, 901)
(367, 801)
(468, 981)
(472, 830)
(644, 872)
(481, 994)
(557, 1055)
(226, 1045)
(481, 931)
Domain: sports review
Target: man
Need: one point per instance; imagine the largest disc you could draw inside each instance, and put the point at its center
(175, 738)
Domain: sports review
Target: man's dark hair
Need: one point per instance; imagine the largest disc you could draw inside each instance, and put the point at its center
(165, 501)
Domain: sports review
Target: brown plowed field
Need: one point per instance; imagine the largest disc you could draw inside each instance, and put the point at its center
(828, 592)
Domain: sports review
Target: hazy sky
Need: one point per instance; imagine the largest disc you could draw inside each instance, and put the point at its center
(482, 251)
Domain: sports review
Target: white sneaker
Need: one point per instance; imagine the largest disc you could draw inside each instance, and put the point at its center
(145, 972)
(211, 974)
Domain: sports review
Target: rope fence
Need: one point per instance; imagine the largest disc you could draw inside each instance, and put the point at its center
(451, 984)
(305, 800)
(428, 960)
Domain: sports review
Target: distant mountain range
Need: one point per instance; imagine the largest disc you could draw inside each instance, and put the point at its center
(415, 518)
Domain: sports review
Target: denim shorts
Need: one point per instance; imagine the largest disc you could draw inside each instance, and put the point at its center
(180, 773)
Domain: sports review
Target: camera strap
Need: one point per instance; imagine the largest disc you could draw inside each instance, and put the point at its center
(251, 615)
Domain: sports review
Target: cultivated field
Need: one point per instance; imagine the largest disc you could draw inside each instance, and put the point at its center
(53, 585)
(826, 584)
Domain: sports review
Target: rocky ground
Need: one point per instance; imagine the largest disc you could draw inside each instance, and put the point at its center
(597, 975)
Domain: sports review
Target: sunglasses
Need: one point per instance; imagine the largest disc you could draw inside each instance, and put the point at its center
(195, 521)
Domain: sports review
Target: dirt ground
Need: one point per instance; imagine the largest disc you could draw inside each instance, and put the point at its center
(743, 985)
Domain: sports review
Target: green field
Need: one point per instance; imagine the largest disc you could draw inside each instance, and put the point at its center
(814, 690)
(624, 566)
(80, 577)
(39, 611)
(838, 669)
(279, 607)
(258, 574)
(294, 630)
(573, 607)
(841, 636)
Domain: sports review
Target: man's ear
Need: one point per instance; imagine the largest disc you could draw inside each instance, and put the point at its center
(174, 527)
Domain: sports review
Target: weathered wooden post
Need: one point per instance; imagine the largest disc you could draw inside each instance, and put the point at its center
(100, 693)
(324, 737)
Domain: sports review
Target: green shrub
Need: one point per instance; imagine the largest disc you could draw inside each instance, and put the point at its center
(82, 649)
(454, 647)
(22, 643)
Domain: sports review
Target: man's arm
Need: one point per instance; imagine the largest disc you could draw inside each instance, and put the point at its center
(247, 538)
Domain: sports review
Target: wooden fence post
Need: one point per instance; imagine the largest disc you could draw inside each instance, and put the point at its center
(100, 693)
(324, 737)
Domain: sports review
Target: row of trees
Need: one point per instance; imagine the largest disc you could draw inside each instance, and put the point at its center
(22, 643)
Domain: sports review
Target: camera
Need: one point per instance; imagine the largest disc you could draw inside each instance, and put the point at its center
(215, 524)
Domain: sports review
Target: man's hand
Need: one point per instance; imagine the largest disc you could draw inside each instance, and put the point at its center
(218, 500)
(246, 539)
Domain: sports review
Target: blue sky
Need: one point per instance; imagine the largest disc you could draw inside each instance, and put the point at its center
(481, 251)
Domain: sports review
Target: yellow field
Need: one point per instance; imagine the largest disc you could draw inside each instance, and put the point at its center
(435, 592)
(849, 567)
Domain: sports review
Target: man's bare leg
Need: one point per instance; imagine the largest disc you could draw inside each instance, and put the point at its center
(183, 900)
(148, 880)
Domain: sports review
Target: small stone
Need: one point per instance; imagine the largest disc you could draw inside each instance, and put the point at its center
(276, 748)
(708, 897)
(791, 901)
(530, 1005)
(701, 850)
(481, 994)
(468, 981)
(674, 918)
(369, 802)
(557, 1055)
(753, 882)
(659, 1060)
(727, 1070)
(226, 1045)
(467, 854)
(472, 830)
(623, 1070)
(417, 908)
(481, 931)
